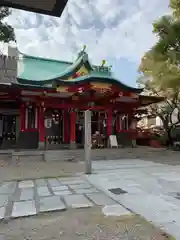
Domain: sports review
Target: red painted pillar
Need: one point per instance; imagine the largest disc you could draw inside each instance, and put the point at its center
(109, 122)
(73, 129)
(65, 126)
(22, 117)
(41, 126)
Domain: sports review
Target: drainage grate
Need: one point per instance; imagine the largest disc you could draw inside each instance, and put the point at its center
(175, 195)
(117, 191)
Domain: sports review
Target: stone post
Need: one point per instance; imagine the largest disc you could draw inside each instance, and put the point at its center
(41, 128)
(87, 142)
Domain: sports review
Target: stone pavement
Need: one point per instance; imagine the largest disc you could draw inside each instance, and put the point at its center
(30, 197)
(147, 188)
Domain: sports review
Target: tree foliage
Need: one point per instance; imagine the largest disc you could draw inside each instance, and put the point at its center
(160, 66)
(175, 7)
(6, 31)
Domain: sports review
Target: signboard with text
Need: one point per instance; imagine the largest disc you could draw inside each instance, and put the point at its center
(113, 141)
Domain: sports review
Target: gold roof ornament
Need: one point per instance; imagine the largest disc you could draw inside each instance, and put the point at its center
(82, 52)
(101, 86)
(84, 48)
(61, 89)
(103, 62)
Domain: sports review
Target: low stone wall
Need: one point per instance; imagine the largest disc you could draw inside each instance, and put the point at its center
(67, 155)
(78, 155)
(28, 156)
(5, 155)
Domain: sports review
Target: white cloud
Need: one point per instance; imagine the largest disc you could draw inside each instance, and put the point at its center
(111, 29)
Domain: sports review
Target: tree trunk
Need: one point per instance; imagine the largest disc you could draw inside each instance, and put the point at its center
(167, 128)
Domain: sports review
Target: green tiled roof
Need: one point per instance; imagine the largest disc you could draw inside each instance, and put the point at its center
(44, 72)
(39, 69)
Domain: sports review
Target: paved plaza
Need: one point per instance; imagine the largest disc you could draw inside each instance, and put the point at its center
(119, 187)
(30, 197)
(146, 188)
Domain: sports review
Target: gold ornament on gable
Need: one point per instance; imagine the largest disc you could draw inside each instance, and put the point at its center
(61, 89)
(101, 86)
(81, 72)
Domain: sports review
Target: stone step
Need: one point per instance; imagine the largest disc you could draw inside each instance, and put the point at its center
(66, 154)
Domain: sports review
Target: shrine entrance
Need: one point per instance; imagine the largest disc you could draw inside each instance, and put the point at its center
(53, 126)
(8, 130)
(99, 129)
(98, 120)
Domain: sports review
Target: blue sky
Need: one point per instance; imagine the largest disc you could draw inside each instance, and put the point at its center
(119, 31)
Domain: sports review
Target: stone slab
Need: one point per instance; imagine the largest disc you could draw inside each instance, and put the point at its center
(73, 182)
(3, 237)
(3, 200)
(2, 212)
(170, 228)
(77, 201)
(25, 208)
(43, 191)
(60, 188)
(86, 190)
(80, 186)
(115, 210)
(162, 216)
(132, 189)
(62, 193)
(101, 199)
(7, 188)
(26, 184)
(51, 204)
(41, 182)
(27, 194)
(53, 182)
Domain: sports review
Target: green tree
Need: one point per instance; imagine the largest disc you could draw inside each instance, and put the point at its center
(175, 7)
(6, 31)
(160, 67)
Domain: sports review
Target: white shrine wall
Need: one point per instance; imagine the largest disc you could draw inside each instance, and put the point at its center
(8, 66)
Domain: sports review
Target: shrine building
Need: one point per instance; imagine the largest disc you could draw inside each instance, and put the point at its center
(43, 105)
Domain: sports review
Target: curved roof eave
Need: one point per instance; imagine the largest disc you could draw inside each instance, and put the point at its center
(102, 79)
(152, 99)
(85, 79)
(52, 9)
(31, 87)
